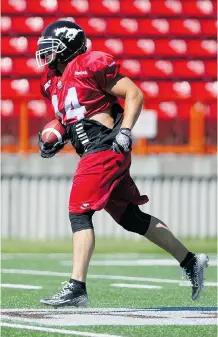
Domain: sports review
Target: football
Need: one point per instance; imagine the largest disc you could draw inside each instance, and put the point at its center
(54, 132)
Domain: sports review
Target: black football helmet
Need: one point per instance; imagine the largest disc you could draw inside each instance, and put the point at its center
(60, 42)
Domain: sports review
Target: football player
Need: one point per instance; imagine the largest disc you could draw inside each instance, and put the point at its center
(83, 88)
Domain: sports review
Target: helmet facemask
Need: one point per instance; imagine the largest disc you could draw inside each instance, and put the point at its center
(48, 50)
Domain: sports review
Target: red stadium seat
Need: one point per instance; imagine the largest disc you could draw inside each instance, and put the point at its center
(19, 45)
(167, 7)
(22, 86)
(95, 26)
(6, 24)
(42, 7)
(8, 108)
(36, 108)
(167, 46)
(112, 46)
(175, 90)
(30, 25)
(156, 27)
(159, 68)
(74, 7)
(209, 27)
(166, 90)
(148, 68)
(165, 110)
(213, 111)
(204, 91)
(211, 68)
(131, 67)
(12, 7)
(153, 47)
(173, 47)
(189, 69)
(105, 7)
(170, 8)
(202, 48)
(136, 8)
(151, 89)
(124, 47)
(123, 26)
(26, 67)
(199, 8)
(15, 45)
(186, 27)
(6, 65)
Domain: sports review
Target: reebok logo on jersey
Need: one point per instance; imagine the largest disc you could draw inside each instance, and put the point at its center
(77, 73)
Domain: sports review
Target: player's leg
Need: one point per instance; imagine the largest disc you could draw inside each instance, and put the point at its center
(83, 247)
(159, 234)
(193, 264)
(131, 218)
(74, 291)
(83, 190)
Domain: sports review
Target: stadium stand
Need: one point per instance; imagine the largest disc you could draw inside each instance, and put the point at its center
(168, 47)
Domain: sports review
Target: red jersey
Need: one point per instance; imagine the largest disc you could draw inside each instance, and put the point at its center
(80, 91)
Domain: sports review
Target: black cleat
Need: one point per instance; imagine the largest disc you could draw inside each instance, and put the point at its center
(71, 295)
(195, 273)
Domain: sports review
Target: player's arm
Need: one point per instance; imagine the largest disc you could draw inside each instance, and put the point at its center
(45, 148)
(123, 87)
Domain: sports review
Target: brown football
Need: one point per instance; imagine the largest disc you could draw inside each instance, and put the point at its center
(53, 132)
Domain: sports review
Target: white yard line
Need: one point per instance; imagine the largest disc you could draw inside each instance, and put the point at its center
(124, 256)
(105, 277)
(19, 286)
(135, 286)
(208, 284)
(135, 263)
(34, 272)
(58, 331)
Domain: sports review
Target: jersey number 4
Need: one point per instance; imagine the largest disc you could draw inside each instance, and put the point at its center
(72, 107)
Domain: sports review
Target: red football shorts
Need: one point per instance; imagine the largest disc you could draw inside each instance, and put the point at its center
(102, 180)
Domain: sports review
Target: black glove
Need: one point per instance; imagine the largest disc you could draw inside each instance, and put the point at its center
(47, 150)
(123, 141)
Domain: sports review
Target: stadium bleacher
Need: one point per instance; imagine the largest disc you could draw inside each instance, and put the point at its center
(168, 47)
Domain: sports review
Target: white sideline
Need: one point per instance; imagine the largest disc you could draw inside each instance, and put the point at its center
(136, 286)
(105, 277)
(59, 331)
(19, 286)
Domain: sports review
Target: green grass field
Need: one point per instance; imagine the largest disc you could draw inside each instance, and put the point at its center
(110, 276)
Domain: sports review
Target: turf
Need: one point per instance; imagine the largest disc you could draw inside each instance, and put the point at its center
(109, 245)
(102, 295)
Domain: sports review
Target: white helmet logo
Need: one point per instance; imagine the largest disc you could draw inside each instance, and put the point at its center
(71, 33)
